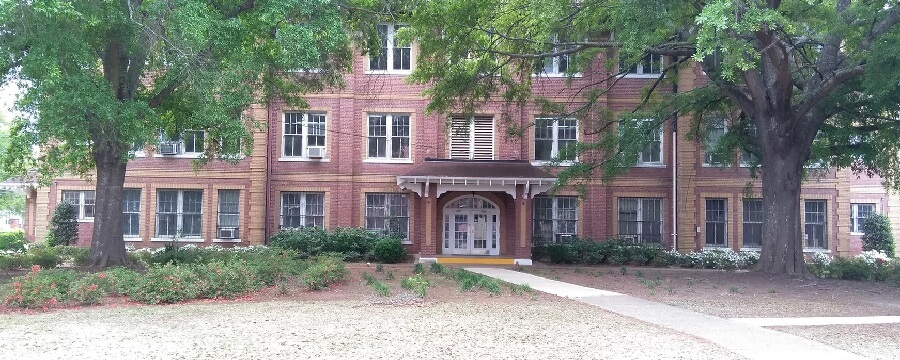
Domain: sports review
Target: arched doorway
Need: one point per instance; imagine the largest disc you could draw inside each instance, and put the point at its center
(471, 227)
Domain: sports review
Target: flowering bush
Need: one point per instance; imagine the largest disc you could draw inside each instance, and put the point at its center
(616, 252)
(166, 284)
(220, 280)
(870, 265)
(324, 271)
(39, 288)
(91, 289)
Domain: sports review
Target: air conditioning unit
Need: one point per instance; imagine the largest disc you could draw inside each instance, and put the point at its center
(227, 233)
(564, 238)
(315, 152)
(169, 148)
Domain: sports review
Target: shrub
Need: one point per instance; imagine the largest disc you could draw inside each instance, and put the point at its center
(173, 254)
(437, 268)
(352, 243)
(418, 268)
(13, 261)
(418, 284)
(559, 253)
(324, 271)
(389, 251)
(878, 235)
(166, 284)
(46, 257)
(63, 225)
(122, 281)
(12, 242)
(79, 256)
(39, 288)
(273, 266)
(220, 280)
(91, 289)
(380, 288)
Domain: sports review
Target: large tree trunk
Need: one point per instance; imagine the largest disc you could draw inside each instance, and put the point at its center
(108, 244)
(782, 171)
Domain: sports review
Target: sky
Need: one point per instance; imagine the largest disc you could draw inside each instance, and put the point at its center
(7, 97)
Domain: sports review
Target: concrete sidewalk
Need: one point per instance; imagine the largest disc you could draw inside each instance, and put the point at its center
(747, 340)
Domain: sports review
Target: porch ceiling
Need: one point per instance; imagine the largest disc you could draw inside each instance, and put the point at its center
(476, 175)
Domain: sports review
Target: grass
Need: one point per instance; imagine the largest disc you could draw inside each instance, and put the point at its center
(735, 289)
(379, 287)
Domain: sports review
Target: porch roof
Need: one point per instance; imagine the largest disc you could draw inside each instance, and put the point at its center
(476, 175)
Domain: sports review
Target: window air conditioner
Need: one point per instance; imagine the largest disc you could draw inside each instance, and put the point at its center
(169, 148)
(227, 233)
(315, 152)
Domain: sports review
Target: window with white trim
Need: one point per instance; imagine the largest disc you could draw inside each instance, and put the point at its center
(815, 224)
(555, 219)
(189, 142)
(394, 55)
(651, 155)
(83, 200)
(131, 213)
(472, 139)
(228, 218)
(302, 131)
(748, 158)
(753, 223)
(858, 215)
(650, 65)
(714, 135)
(388, 214)
(640, 219)
(555, 139)
(388, 137)
(302, 209)
(179, 213)
(716, 222)
(554, 65)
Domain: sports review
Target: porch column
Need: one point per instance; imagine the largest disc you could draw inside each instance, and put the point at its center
(429, 202)
(523, 224)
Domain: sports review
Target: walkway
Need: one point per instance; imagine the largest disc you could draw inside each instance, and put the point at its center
(747, 340)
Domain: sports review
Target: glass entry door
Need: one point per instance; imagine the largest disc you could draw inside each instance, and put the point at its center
(471, 229)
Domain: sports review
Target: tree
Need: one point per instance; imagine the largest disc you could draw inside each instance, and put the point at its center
(799, 81)
(63, 225)
(102, 75)
(878, 235)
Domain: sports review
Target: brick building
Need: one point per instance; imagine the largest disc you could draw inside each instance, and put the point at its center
(368, 156)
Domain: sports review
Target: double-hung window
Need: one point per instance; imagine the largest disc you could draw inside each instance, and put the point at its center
(228, 219)
(554, 65)
(640, 219)
(815, 224)
(303, 131)
(555, 139)
(747, 157)
(179, 213)
(394, 55)
(651, 154)
(302, 209)
(650, 65)
(193, 141)
(388, 213)
(131, 213)
(858, 215)
(83, 200)
(716, 222)
(753, 222)
(388, 137)
(714, 134)
(555, 218)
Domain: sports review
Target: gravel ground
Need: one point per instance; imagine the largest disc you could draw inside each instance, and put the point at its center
(558, 329)
(876, 341)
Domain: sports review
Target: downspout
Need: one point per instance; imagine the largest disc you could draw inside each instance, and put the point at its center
(675, 164)
(269, 149)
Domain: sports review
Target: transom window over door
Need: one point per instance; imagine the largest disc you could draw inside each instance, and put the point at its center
(472, 139)
(552, 138)
(388, 137)
(301, 132)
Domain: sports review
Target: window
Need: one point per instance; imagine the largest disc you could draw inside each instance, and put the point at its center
(188, 142)
(652, 153)
(472, 139)
(748, 158)
(395, 55)
(649, 65)
(555, 65)
(552, 138)
(640, 219)
(753, 221)
(388, 137)
(131, 213)
(858, 215)
(302, 131)
(193, 141)
(231, 147)
(301, 209)
(228, 218)
(555, 218)
(179, 213)
(137, 148)
(716, 222)
(714, 134)
(388, 214)
(83, 201)
(816, 233)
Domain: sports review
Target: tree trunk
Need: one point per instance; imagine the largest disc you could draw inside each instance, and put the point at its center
(108, 244)
(782, 247)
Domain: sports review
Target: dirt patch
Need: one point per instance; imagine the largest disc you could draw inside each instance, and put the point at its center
(734, 294)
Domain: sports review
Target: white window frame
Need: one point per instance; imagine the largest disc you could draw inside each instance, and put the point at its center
(470, 123)
(639, 68)
(641, 219)
(554, 150)
(219, 214)
(182, 153)
(125, 211)
(855, 226)
(550, 65)
(385, 208)
(301, 205)
(641, 162)
(747, 158)
(823, 224)
(390, 137)
(179, 218)
(81, 204)
(389, 52)
(708, 145)
(304, 136)
(555, 218)
(134, 149)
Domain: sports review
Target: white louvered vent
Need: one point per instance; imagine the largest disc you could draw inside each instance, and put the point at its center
(472, 139)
